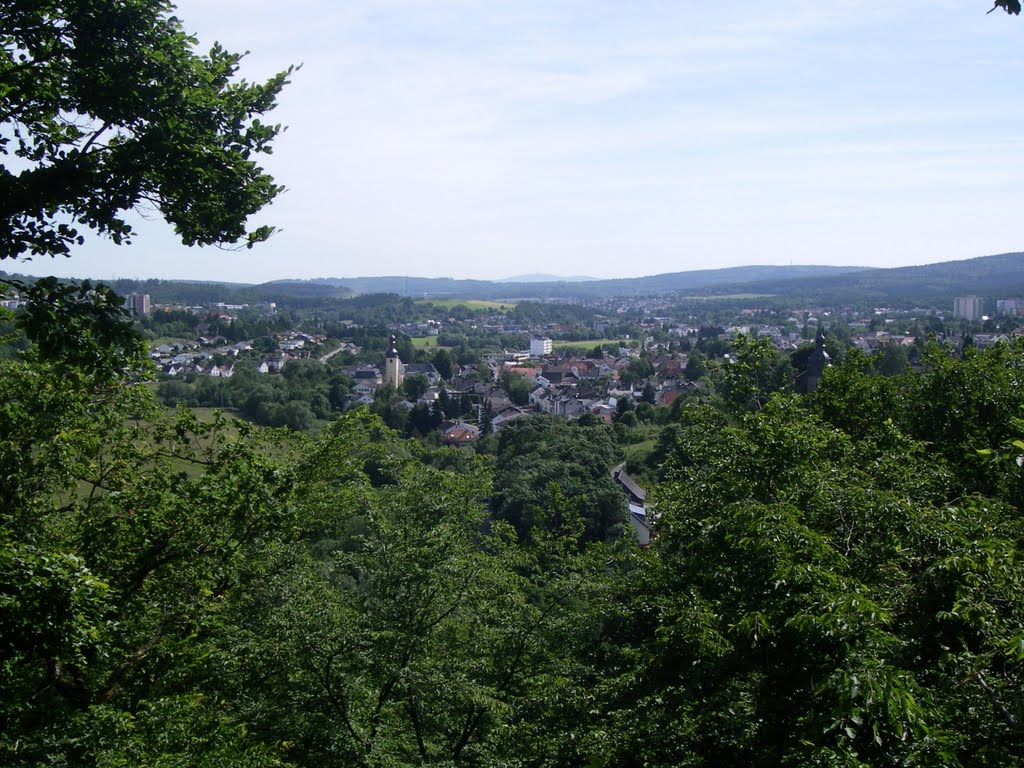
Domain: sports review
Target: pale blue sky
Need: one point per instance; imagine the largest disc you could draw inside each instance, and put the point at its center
(478, 139)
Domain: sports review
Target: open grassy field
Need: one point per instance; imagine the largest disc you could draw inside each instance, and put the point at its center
(423, 342)
(497, 306)
(207, 415)
(85, 489)
(587, 343)
(639, 451)
(729, 296)
(170, 341)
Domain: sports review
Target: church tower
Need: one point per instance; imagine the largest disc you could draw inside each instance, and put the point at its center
(393, 366)
(818, 361)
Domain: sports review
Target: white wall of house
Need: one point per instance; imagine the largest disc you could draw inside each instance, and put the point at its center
(540, 346)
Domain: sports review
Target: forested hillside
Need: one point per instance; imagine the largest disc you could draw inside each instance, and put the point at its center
(836, 580)
(1001, 276)
(998, 276)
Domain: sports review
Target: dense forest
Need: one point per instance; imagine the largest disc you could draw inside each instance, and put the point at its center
(998, 276)
(835, 580)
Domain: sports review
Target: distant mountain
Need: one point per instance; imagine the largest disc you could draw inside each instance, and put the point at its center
(718, 280)
(995, 277)
(426, 287)
(306, 289)
(998, 276)
(416, 287)
(542, 278)
(197, 292)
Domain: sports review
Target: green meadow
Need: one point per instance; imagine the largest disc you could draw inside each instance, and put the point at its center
(497, 306)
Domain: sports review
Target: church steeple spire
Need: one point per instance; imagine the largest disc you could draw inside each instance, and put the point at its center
(393, 365)
(818, 361)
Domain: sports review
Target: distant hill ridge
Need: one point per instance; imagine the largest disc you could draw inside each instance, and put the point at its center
(997, 276)
(542, 278)
(695, 280)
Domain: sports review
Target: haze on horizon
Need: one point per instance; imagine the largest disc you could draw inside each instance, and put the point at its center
(444, 138)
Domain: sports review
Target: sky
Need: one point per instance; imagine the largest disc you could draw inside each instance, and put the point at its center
(492, 138)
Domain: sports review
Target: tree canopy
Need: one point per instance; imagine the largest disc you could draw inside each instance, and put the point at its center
(543, 461)
(106, 106)
(1010, 6)
(836, 579)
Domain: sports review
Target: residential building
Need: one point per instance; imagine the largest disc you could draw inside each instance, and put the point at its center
(138, 304)
(424, 369)
(540, 346)
(968, 307)
(1010, 307)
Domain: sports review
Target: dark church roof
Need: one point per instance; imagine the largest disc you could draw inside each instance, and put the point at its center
(630, 486)
(819, 359)
(425, 368)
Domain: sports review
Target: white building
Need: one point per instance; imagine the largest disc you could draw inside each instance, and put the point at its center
(1010, 307)
(968, 307)
(138, 303)
(540, 346)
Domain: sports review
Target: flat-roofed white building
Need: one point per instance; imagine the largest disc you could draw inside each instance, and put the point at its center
(540, 346)
(1010, 307)
(138, 303)
(968, 307)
